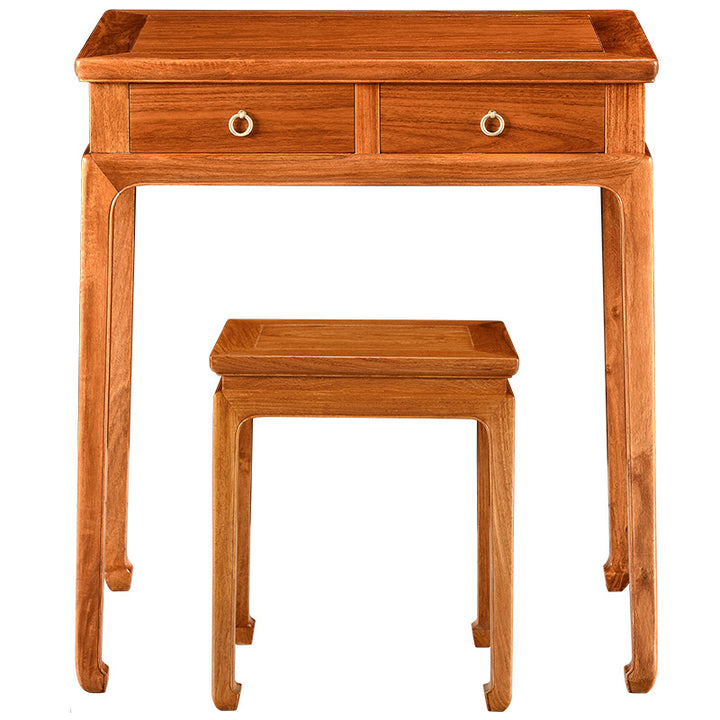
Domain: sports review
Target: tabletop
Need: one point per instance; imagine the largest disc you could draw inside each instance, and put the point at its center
(361, 46)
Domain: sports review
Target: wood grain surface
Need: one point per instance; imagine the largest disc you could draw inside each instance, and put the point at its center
(625, 119)
(367, 118)
(599, 169)
(109, 118)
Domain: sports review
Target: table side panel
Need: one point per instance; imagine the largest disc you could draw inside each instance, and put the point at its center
(625, 118)
(109, 118)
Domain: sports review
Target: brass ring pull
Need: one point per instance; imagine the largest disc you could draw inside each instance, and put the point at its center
(240, 115)
(492, 115)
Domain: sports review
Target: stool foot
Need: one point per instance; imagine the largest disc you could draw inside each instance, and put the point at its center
(481, 635)
(119, 579)
(496, 700)
(244, 633)
(616, 578)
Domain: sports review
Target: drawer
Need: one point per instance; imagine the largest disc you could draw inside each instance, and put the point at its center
(443, 118)
(298, 118)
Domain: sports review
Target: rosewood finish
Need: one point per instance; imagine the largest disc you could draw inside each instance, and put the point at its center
(357, 369)
(570, 89)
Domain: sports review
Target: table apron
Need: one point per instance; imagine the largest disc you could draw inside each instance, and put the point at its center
(611, 171)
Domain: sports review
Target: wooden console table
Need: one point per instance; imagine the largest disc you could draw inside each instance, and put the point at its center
(364, 98)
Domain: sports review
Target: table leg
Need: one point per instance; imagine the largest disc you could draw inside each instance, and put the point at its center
(481, 626)
(97, 197)
(637, 253)
(616, 568)
(118, 569)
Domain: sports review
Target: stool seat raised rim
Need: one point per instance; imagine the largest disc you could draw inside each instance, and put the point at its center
(415, 348)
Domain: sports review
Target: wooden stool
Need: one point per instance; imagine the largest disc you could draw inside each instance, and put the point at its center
(362, 369)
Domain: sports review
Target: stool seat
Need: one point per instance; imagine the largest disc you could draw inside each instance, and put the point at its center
(412, 348)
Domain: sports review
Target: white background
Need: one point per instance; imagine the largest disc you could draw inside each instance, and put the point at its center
(363, 574)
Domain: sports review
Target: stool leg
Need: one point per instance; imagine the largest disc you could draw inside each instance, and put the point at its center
(245, 625)
(225, 691)
(501, 430)
(481, 626)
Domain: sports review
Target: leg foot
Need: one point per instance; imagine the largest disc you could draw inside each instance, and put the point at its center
(119, 579)
(93, 679)
(616, 579)
(496, 699)
(227, 698)
(637, 682)
(481, 635)
(244, 633)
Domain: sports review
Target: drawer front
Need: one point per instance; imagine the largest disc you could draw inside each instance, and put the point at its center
(183, 118)
(443, 118)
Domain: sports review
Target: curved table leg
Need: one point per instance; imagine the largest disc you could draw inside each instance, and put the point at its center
(244, 624)
(118, 569)
(616, 568)
(481, 626)
(97, 198)
(636, 197)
